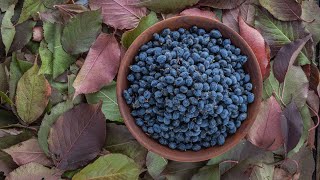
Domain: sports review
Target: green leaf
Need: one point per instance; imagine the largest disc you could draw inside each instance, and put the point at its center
(17, 69)
(120, 140)
(295, 87)
(46, 59)
(5, 4)
(3, 78)
(262, 171)
(31, 8)
(181, 170)
(60, 60)
(112, 166)
(32, 97)
(271, 86)
(5, 98)
(306, 118)
(81, 31)
(7, 29)
(311, 15)
(48, 121)
(129, 36)
(110, 107)
(155, 164)
(7, 118)
(10, 140)
(167, 6)
(51, 3)
(284, 10)
(278, 33)
(208, 173)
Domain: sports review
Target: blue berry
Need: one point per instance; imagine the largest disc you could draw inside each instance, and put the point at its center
(161, 59)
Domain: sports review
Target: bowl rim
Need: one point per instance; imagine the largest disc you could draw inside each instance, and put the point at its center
(162, 150)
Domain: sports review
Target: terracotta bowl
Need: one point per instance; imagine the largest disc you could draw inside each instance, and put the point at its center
(250, 67)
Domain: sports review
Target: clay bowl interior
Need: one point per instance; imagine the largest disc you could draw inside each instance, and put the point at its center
(250, 67)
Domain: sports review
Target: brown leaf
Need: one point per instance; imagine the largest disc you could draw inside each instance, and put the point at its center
(258, 45)
(291, 126)
(230, 18)
(287, 56)
(221, 4)
(103, 56)
(313, 102)
(199, 12)
(284, 10)
(315, 79)
(33, 171)
(77, 137)
(280, 174)
(28, 151)
(266, 130)
(120, 14)
(248, 11)
(311, 137)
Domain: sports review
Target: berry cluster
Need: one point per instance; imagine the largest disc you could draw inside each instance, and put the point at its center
(188, 89)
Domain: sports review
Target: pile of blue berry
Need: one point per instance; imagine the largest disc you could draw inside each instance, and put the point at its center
(188, 89)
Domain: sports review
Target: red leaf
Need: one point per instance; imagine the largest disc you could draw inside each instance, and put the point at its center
(77, 137)
(198, 12)
(307, 70)
(230, 18)
(266, 130)
(100, 67)
(258, 45)
(221, 4)
(291, 125)
(28, 151)
(286, 57)
(311, 137)
(120, 14)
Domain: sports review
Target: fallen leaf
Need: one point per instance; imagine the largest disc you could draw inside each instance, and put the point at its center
(77, 136)
(242, 151)
(33, 171)
(307, 124)
(258, 45)
(248, 11)
(33, 92)
(129, 36)
(31, 8)
(22, 36)
(4, 85)
(292, 126)
(207, 173)
(167, 6)
(110, 107)
(315, 79)
(5, 4)
(271, 86)
(199, 12)
(120, 14)
(28, 151)
(266, 130)
(53, 3)
(7, 165)
(230, 18)
(155, 164)
(81, 31)
(120, 140)
(295, 87)
(10, 140)
(104, 55)
(17, 69)
(311, 16)
(256, 167)
(112, 166)
(4, 98)
(281, 174)
(7, 118)
(287, 56)
(284, 10)
(313, 102)
(70, 10)
(311, 137)
(181, 170)
(48, 121)
(37, 34)
(7, 29)
(279, 33)
(222, 4)
(58, 60)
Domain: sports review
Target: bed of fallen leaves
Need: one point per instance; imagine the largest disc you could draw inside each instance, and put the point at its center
(59, 116)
